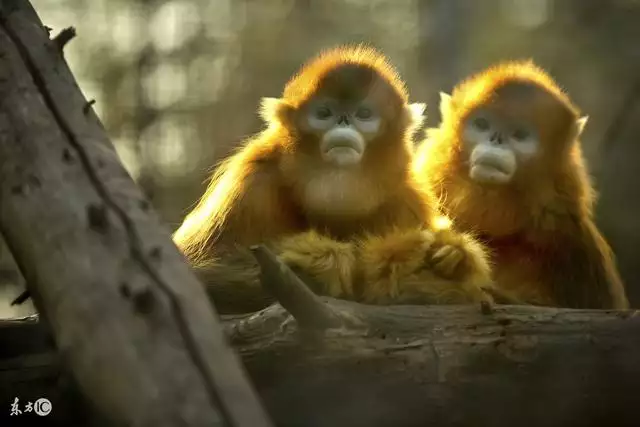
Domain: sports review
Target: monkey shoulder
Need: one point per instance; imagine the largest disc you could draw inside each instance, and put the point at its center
(254, 165)
(253, 204)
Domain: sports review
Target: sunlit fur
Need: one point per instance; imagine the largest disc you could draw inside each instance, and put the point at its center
(324, 221)
(257, 193)
(307, 82)
(428, 266)
(546, 247)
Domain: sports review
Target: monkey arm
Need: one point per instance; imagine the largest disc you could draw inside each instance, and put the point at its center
(585, 274)
(260, 211)
(330, 264)
(243, 205)
(422, 266)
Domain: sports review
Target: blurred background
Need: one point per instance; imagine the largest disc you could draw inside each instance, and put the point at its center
(177, 82)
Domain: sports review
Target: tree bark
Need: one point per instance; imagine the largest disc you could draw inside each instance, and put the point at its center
(131, 320)
(407, 366)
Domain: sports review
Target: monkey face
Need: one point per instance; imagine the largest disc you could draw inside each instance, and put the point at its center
(497, 146)
(343, 130)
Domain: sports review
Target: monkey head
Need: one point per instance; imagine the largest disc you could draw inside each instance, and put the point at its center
(343, 106)
(510, 122)
(348, 128)
(342, 127)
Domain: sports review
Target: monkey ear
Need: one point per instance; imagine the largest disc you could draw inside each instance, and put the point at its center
(445, 104)
(580, 124)
(273, 110)
(417, 111)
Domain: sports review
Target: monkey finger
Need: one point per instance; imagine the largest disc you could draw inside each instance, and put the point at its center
(428, 238)
(443, 253)
(447, 265)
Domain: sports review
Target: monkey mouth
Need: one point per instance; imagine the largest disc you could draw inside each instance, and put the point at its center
(342, 155)
(490, 171)
(342, 147)
(342, 150)
(492, 163)
(342, 141)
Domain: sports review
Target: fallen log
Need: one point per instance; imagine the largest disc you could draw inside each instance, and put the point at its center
(350, 364)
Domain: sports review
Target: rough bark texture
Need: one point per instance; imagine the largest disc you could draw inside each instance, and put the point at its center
(406, 366)
(448, 366)
(129, 317)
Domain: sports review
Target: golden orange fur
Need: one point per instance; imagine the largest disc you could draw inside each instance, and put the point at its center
(324, 222)
(546, 247)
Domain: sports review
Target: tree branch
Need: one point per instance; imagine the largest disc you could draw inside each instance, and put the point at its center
(292, 293)
(64, 37)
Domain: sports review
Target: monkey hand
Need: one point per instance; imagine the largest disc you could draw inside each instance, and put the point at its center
(387, 261)
(458, 257)
(325, 264)
(424, 267)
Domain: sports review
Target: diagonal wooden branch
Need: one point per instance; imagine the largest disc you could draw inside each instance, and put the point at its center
(294, 296)
(132, 320)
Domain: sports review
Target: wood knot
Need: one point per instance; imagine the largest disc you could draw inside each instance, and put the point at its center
(67, 157)
(97, 217)
(155, 253)
(143, 299)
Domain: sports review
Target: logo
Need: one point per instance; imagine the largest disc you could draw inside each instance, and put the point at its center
(42, 407)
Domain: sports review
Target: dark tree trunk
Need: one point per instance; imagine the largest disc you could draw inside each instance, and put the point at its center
(131, 320)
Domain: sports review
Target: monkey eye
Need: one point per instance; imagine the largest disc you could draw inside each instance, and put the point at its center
(520, 134)
(323, 113)
(364, 113)
(481, 123)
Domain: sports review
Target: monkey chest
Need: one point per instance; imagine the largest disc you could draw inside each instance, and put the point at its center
(343, 229)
